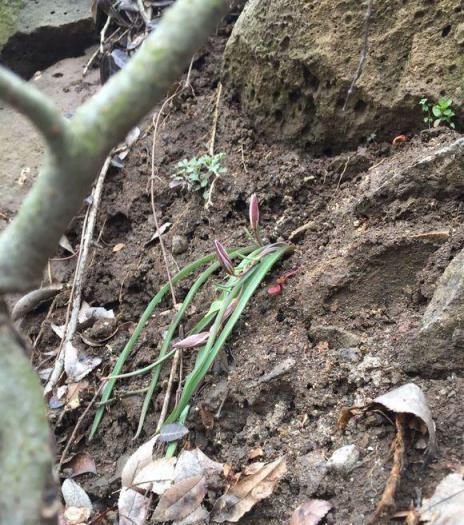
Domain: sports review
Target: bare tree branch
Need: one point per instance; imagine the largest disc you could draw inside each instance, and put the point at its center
(97, 126)
(29, 101)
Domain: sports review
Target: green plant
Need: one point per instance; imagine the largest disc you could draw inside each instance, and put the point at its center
(438, 114)
(198, 173)
(213, 329)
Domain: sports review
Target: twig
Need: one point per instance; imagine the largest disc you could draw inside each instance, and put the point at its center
(212, 142)
(364, 52)
(79, 277)
(103, 34)
(167, 396)
(78, 425)
(387, 501)
(343, 171)
(143, 12)
(187, 80)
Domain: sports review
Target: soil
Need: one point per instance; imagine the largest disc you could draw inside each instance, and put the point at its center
(333, 337)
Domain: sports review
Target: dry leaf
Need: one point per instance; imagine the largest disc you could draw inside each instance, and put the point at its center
(195, 463)
(139, 459)
(133, 507)
(66, 245)
(172, 432)
(446, 506)
(74, 495)
(163, 228)
(72, 395)
(181, 500)
(58, 330)
(93, 313)
(81, 463)
(248, 491)
(78, 366)
(410, 399)
(76, 515)
(198, 516)
(310, 512)
(255, 453)
(157, 476)
(118, 247)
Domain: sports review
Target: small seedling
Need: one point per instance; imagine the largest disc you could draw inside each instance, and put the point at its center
(439, 114)
(198, 173)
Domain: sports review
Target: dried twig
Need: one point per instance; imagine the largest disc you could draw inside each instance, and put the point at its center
(364, 52)
(213, 140)
(387, 502)
(79, 277)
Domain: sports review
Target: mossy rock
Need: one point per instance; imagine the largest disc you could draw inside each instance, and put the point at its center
(291, 63)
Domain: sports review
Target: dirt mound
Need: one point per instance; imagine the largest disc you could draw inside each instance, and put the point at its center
(291, 64)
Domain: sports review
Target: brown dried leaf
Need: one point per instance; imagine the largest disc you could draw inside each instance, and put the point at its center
(248, 491)
(76, 515)
(133, 507)
(118, 247)
(81, 463)
(255, 453)
(181, 500)
(157, 476)
(195, 463)
(139, 459)
(310, 512)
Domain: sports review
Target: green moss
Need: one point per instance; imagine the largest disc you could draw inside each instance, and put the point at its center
(9, 11)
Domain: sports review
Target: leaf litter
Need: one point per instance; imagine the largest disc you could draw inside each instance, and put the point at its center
(310, 512)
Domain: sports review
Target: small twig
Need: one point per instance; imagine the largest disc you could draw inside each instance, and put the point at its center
(167, 396)
(187, 80)
(78, 425)
(364, 52)
(387, 501)
(103, 34)
(212, 142)
(343, 171)
(143, 12)
(79, 277)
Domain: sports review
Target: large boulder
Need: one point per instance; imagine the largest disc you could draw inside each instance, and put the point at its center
(35, 35)
(291, 63)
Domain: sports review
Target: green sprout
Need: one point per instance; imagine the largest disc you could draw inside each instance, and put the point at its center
(211, 332)
(198, 173)
(438, 114)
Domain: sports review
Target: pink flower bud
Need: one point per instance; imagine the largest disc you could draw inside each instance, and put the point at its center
(254, 212)
(192, 340)
(224, 259)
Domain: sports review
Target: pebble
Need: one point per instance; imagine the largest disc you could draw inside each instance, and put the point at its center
(351, 354)
(179, 244)
(344, 459)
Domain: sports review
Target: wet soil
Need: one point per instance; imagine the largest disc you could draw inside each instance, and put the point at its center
(333, 338)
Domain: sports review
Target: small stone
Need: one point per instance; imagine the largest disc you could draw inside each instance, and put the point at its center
(179, 244)
(344, 459)
(351, 354)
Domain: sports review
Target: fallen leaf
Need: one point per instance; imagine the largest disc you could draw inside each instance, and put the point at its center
(248, 491)
(78, 366)
(133, 507)
(410, 399)
(118, 247)
(76, 515)
(81, 463)
(399, 139)
(66, 245)
(59, 330)
(446, 506)
(137, 461)
(195, 463)
(255, 453)
(157, 476)
(162, 229)
(310, 512)
(172, 432)
(199, 516)
(181, 500)
(74, 495)
(97, 313)
(72, 396)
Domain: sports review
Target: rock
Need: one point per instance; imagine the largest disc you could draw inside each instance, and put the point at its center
(439, 344)
(310, 470)
(179, 244)
(344, 459)
(437, 175)
(351, 355)
(291, 64)
(27, 28)
(21, 147)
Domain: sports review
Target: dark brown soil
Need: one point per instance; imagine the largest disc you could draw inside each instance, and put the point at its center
(363, 282)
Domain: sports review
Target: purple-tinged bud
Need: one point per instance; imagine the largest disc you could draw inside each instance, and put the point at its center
(192, 341)
(224, 259)
(254, 212)
(230, 308)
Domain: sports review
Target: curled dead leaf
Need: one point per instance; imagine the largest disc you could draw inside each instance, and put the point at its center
(310, 512)
(137, 461)
(157, 476)
(248, 491)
